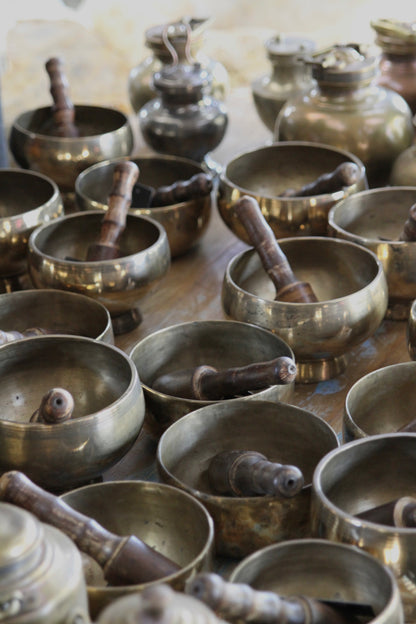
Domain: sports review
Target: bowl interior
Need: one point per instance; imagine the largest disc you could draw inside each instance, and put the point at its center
(21, 191)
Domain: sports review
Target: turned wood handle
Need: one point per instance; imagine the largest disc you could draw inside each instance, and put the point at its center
(55, 407)
(206, 383)
(346, 174)
(12, 335)
(198, 185)
(125, 176)
(409, 229)
(62, 110)
(125, 560)
(249, 473)
(273, 259)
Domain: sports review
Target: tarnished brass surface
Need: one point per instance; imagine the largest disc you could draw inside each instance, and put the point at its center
(359, 476)
(375, 219)
(117, 284)
(184, 222)
(282, 432)
(104, 133)
(351, 288)
(404, 168)
(27, 200)
(107, 418)
(411, 331)
(221, 344)
(265, 172)
(166, 518)
(323, 569)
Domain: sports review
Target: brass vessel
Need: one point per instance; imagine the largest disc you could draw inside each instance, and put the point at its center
(411, 331)
(403, 172)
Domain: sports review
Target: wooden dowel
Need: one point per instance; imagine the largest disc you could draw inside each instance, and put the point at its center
(56, 407)
(400, 512)
(199, 185)
(346, 174)
(63, 110)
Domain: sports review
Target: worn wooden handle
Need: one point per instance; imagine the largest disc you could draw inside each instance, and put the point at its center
(125, 176)
(12, 335)
(346, 174)
(272, 257)
(206, 383)
(249, 473)
(125, 560)
(199, 185)
(409, 228)
(56, 407)
(63, 110)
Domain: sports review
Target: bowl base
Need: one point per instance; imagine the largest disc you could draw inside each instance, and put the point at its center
(313, 371)
(126, 321)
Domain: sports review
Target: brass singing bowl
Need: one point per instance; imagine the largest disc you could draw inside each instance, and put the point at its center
(359, 476)
(166, 518)
(104, 133)
(184, 222)
(264, 173)
(282, 432)
(351, 288)
(375, 219)
(27, 200)
(56, 311)
(108, 408)
(117, 284)
(221, 344)
(322, 569)
(411, 331)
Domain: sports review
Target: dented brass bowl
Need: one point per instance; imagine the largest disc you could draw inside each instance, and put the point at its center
(184, 222)
(351, 288)
(283, 433)
(264, 173)
(222, 344)
(322, 569)
(107, 418)
(165, 518)
(375, 219)
(359, 476)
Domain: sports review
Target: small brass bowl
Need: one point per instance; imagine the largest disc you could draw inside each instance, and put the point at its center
(283, 433)
(117, 284)
(165, 518)
(375, 219)
(411, 331)
(107, 418)
(264, 173)
(221, 344)
(56, 311)
(359, 476)
(27, 200)
(326, 570)
(104, 133)
(351, 288)
(184, 222)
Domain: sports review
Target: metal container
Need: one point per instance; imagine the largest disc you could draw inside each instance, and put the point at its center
(281, 432)
(375, 220)
(222, 344)
(264, 173)
(325, 570)
(403, 172)
(348, 110)
(166, 518)
(289, 76)
(184, 222)
(411, 331)
(351, 288)
(41, 576)
(359, 476)
(107, 418)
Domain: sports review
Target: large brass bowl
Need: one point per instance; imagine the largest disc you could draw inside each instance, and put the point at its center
(264, 173)
(107, 418)
(184, 222)
(359, 476)
(283, 433)
(352, 298)
(375, 219)
(165, 518)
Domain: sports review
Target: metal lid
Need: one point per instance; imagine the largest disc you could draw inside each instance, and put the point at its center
(288, 47)
(21, 536)
(394, 36)
(343, 65)
(181, 79)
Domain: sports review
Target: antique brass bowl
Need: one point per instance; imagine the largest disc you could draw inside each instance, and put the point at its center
(222, 344)
(411, 331)
(54, 250)
(265, 172)
(104, 133)
(283, 433)
(27, 200)
(165, 518)
(357, 477)
(375, 219)
(351, 288)
(107, 417)
(322, 569)
(184, 222)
